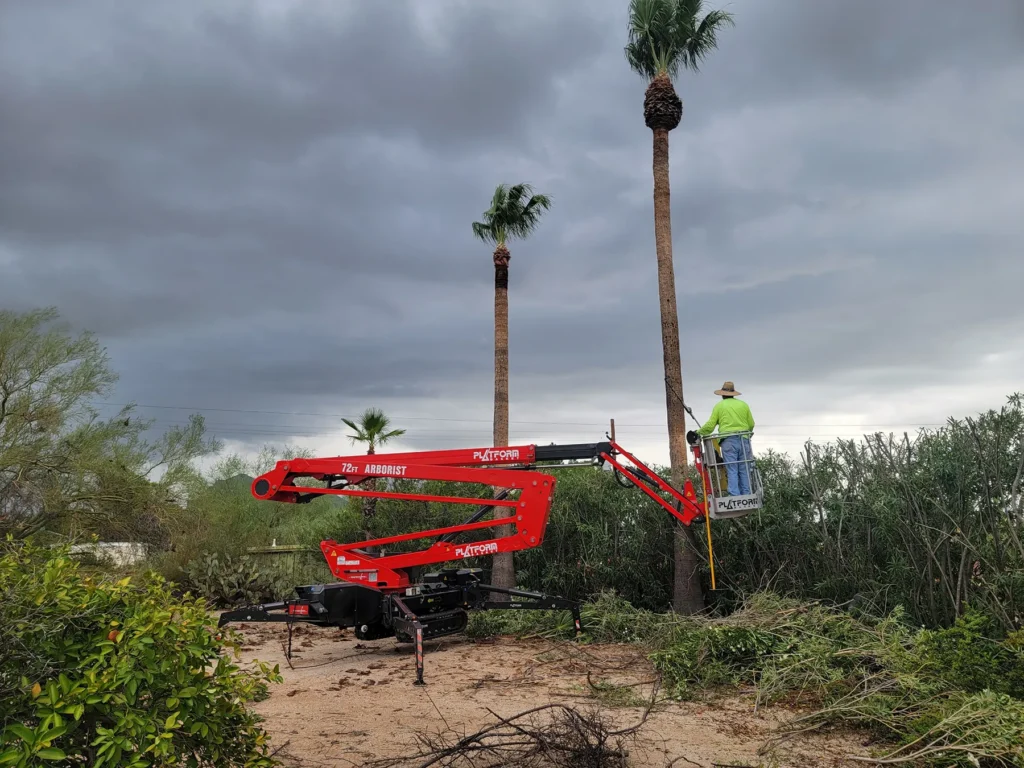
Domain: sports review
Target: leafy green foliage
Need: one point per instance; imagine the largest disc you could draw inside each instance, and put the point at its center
(713, 655)
(223, 518)
(514, 213)
(932, 524)
(63, 469)
(606, 619)
(602, 537)
(373, 429)
(971, 656)
(932, 694)
(116, 673)
(948, 697)
(664, 34)
(227, 581)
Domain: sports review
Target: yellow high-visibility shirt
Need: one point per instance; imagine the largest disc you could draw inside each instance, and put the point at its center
(730, 415)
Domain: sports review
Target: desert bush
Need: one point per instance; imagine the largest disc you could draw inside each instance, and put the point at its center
(609, 618)
(932, 523)
(951, 696)
(64, 470)
(225, 580)
(602, 538)
(972, 656)
(118, 673)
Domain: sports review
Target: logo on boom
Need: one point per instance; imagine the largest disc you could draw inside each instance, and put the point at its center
(473, 550)
(374, 469)
(732, 503)
(496, 454)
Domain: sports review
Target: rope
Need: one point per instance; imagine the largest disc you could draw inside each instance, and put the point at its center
(680, 399)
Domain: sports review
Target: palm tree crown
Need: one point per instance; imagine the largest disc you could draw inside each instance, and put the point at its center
(514, 213)
(373, 429)
(664, 35)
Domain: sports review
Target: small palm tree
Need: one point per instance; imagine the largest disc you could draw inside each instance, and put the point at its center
(665, 35)
(515, 212)
(374, 430)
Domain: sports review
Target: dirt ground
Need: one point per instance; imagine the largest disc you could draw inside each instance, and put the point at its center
(346, 702)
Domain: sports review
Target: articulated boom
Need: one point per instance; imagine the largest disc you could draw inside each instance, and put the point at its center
(528, 512)
(374, 594)
(527, 495)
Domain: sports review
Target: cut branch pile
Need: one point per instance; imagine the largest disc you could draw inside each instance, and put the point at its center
(549, 735)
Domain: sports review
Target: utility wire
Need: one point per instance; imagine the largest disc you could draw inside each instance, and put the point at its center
(483, 421)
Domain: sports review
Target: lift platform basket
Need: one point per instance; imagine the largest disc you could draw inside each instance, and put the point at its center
(733, 484)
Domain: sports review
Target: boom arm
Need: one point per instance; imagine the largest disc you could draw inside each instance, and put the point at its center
(527, 495)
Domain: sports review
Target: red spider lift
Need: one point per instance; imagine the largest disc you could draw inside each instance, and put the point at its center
(375, 594)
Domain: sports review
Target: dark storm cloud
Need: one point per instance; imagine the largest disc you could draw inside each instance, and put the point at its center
(255, 153)
(266, 205)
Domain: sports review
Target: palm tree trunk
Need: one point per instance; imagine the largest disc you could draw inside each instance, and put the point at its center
(686, 591)
(369, 508)
(502, 568)
(500, 355)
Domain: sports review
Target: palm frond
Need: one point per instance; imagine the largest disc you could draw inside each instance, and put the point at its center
(666, 34)
(515, 212)
(351, 425)
(705, 38)
(483, 232)
(649, 24)
(373, 420)
(373, 428)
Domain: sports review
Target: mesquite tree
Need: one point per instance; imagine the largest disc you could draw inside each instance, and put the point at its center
(64, 469)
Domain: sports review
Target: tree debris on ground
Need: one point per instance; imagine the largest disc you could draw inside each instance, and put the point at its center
(549, 735)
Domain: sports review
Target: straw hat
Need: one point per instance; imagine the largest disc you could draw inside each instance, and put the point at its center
(727, 389)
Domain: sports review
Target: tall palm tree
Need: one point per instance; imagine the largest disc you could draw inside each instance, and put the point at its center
(665, 35)
(514, 213)
(374, 430)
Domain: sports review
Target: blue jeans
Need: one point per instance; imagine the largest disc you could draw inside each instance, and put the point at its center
(734, 450)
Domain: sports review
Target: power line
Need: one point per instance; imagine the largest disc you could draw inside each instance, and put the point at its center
(486, 421)
(483, 437)
(340, 415)
(763, 429)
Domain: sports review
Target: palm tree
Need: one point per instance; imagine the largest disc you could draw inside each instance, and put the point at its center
(514, 213)
(373, 429)
(664, 35)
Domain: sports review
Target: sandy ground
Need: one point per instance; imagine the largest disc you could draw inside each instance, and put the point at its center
(346, 702)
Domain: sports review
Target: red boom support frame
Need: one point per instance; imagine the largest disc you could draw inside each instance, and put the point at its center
(527, 513)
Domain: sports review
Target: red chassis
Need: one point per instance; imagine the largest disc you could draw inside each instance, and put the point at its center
(512, 468)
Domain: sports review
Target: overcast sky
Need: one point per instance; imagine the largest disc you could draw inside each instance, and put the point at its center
(263, 209)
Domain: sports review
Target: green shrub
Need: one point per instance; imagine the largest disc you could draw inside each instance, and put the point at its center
(106, 673)
(946, 697)
(971, 656)
(940, 697)
(226, 581)
(607, 619)
(708, 655)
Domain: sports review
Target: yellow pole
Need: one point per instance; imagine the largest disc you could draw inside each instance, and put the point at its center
(707, 525)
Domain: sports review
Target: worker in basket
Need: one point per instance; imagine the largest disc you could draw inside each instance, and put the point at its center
(732, 415)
